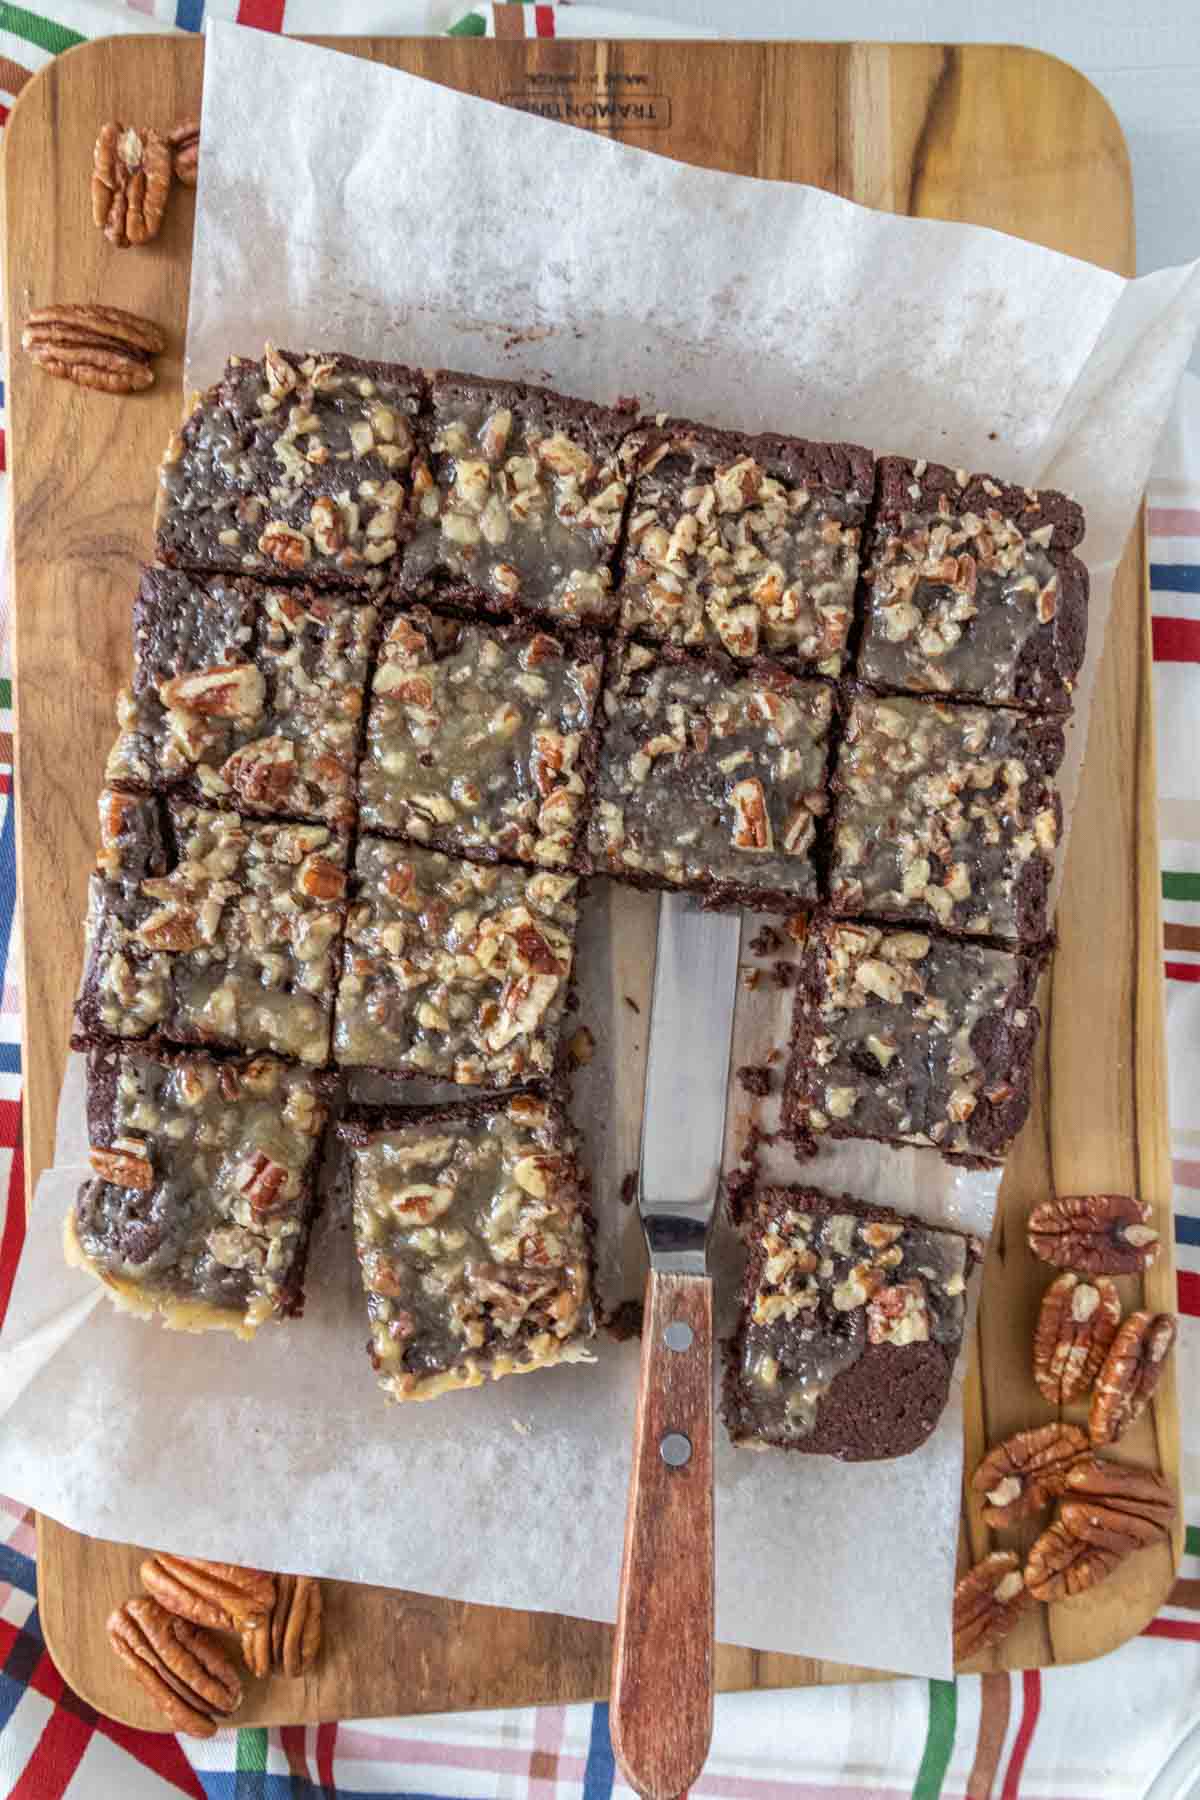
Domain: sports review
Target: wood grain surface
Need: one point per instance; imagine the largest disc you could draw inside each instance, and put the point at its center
(1000, 137)
(662, 1687)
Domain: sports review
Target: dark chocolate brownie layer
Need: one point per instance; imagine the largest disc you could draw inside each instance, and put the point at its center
(946, 815)
(907, 1038)
(749, 543)
(971, 589)
(296, 466)
(474, 1239)
(524, 507)
(710, 776)
(479, 737)
(205, 1184)
(852, 1317)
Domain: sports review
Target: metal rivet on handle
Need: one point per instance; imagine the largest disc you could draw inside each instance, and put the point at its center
(678, 1335)
(675, 1450)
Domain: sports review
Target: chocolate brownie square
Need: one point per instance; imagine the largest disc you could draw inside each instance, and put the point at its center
(852, 1318)
(911, 1039)
(236, 945)
(296, 466)
(453, 971)
(972, 590)
(947, 815)
(524, 507)
(749, 543)
(245, 694)
(710, 776)
(204, 1189)
(474, 1239)
(478, 737)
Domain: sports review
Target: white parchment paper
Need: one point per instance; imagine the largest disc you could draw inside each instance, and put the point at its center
(345, 205)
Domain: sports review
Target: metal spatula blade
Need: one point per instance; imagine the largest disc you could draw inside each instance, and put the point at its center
(662, 1666)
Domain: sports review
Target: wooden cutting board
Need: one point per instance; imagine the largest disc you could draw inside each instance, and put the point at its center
(1000, 137)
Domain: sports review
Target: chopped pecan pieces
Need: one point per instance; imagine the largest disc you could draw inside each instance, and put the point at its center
(124, 1164)
(988, 1601)
(224, 1596)
(1116, 1507)
(1099, 1234)
(131, 179)
(1077, 1323)
(296, 1624)
(100, 347)
(183, 1668)
(1132, 1370)
(1061, 1565)
(1024, 1473)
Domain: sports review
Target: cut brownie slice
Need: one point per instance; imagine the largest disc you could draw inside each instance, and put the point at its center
(453, 971)
(524, 508)
(948, 814)
(475, 1243)
(972, 590)
(747, 542)
(911, 1039)
(851, 1321)
(247, 692)
(294, 466)
(478, 737)
(711, 777)
(204, 1189)
(235, 945)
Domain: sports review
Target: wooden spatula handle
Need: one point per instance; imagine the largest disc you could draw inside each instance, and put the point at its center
(662, 1694)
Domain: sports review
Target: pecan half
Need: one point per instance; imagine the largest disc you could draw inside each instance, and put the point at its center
(988, 1601)
(1100, 1234)
(296, 1624)
(228, 691)
(100, 347)
(1077, 1323)
(131, 179)
(1061, 1565)
(256, 1647)
(1115, 1506)
(262, 773)
(183, 1668)
(1132, 1370)
(124, 1164)
(1027, 1471)
(184, 140)
(222, 1595)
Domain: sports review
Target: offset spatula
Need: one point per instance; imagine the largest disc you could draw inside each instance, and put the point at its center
(661, 1718)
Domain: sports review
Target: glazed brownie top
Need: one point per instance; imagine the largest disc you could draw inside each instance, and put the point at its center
(453, 971)
(298, 465)
(833, 1284)
(204, 1173)
(906, 1037)
(750, 543)
(477, 736)
(472, 1234)
(710, 773)
(526, 497)
(972, 590)
(946, 814)
(245, 690)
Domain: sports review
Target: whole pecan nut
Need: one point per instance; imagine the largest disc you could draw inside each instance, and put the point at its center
(1027, 1471)
(224, 1596)
(1061, 1565)
(988, 1601)
(182, 1667)
(131, 179)
(100, 347)
(184, 140)
(1115, 1506)
(1100, 1234)
(296, 1624)
(1077, 1323)
(1131, 1371)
